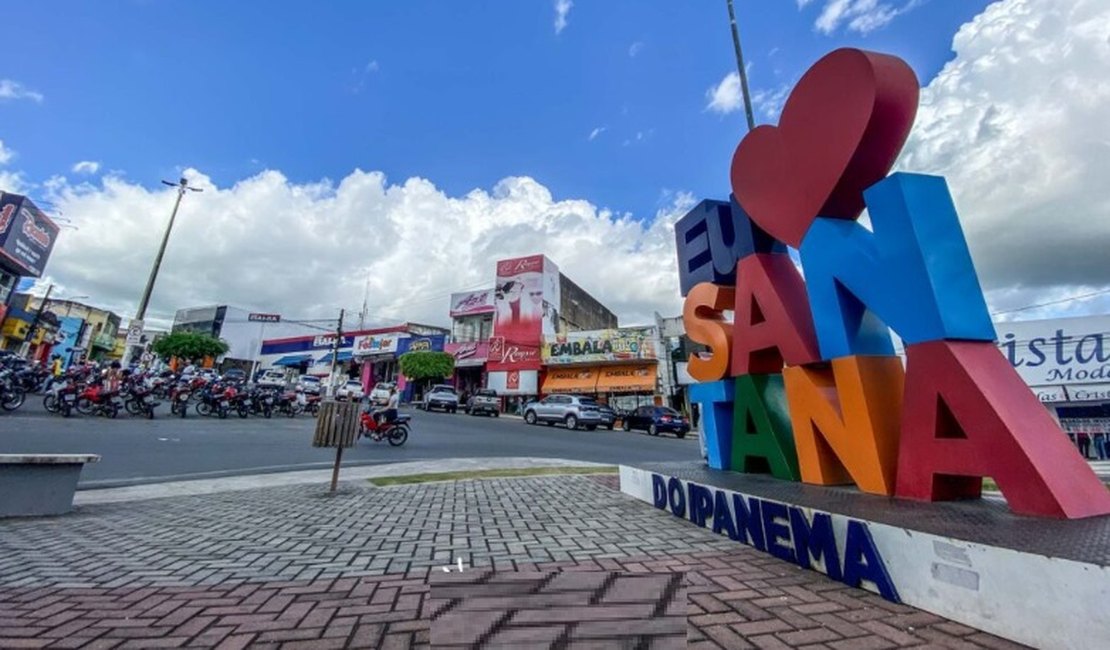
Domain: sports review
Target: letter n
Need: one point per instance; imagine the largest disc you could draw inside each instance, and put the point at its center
(762, 441)
(773, 324)
(967, 415)
(846, 421)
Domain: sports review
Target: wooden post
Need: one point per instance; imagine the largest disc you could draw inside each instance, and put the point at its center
(337, 426)
(335, 470)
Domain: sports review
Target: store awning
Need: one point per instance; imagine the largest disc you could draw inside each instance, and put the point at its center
(344, 355)
(627, 379)
(570, 380)
(293, 359)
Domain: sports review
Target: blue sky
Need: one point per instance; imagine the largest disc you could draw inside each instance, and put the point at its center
(461, 93)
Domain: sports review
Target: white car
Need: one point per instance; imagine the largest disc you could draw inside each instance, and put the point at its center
(380, 394)
(274, 378)
(351, 390)
(309, 384)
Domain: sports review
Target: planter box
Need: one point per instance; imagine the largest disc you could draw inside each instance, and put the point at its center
(39, 484)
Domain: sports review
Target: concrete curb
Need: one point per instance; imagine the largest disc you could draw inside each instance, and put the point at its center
(321, 476)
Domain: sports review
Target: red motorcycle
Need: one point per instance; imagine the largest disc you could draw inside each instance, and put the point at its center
(396, 432)
(96, 399)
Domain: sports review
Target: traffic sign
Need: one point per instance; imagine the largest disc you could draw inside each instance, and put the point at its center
(135, 333)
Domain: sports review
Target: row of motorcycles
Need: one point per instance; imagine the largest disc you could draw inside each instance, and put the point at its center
(87, 391)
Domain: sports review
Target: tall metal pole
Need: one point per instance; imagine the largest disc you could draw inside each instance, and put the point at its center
(335, 357)
(740, 67)
(182, 185)
(35, 320)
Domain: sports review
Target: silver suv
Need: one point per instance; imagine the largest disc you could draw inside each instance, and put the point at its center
(570, 410)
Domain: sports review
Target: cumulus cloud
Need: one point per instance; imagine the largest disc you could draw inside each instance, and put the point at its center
(562, 9)
(725, 97)
(861, 16)
(372, 66)
(13, 90)
(635, 48)
(1017, 122)
(306, 250)
(86, 167)
(768, 103)
(596, 132)
(5, 154)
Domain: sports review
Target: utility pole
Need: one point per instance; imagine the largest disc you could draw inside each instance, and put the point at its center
(335, 354)
(182, 186)
(26, 347)
(740, 67)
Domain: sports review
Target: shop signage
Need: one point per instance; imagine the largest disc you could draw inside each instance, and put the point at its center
(375, 344)
(598, 346)
(27, 236)
(805, 381)
(506, 355)
(264, 318)
(473, 353)
(526, 301)
(328, 341)
(420, 345)
(1050, 394)
(1089, 392)
(1058, 350)
(472, 302)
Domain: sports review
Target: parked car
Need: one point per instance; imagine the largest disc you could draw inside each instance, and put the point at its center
(234, 375)
(351, 390)
(608, 416)
(656, 420)
(484, 400)
(275, 378)
(570, 410)
(442, 396)
(309, 384)
(380, 394)
(209, 374)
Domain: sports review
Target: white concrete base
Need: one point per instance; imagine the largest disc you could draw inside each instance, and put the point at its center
(1040, 601)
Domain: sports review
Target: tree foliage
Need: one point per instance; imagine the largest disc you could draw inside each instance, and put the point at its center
(189, 345)
(427, 365)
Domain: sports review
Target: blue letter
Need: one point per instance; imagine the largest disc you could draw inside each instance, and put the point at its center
(815, 540)
(914, 273)
(701, 503)
(778, 534)
(711, 238)
(862, 562)
(659, 491)
(722, 518)
(677, 507)
(748, 521)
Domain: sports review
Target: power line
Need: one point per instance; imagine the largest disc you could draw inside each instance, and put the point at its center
(1051, 302)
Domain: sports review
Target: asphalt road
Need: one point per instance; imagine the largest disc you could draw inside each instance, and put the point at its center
(136, 450)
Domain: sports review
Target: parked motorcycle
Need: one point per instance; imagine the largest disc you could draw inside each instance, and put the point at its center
(12, 395)
(211, 400)
(95, 399)
(139, 400)
(396, 432)
(61, 397)
(179, 394)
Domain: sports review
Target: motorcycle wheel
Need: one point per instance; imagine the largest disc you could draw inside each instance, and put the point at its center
(150, 412)
(85, 406)
(183, 409)
(133, 408)
(111, 411)
(65, 409)
(13, 399)
(222, 413)
(267, 412)
(50, 403)
(397, 436)
(290, 411)
(244, 411)
(203, 408)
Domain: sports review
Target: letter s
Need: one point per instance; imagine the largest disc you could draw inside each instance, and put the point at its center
(705, 324)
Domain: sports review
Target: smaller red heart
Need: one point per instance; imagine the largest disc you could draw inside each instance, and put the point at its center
(840, 132)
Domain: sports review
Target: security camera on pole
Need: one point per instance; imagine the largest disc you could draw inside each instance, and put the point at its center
(137, 323)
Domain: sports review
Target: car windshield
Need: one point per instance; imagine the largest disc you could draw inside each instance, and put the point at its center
(382, 386)
(667, 411)
(585, 401)
(355, 383)
(443, 389)
(487, 393)
(310, 380)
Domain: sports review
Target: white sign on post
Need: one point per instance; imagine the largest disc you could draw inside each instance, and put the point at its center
(135, 333)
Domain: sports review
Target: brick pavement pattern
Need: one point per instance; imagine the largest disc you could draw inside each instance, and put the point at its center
(292, 567)
(557, 609)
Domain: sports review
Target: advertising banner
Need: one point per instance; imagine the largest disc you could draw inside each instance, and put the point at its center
(600, 346)
(264, 318)
(468, 354)
(526, 303)
(472, 302)
(433, 343)
(514, 382)
(375, 344)
(1058, 350)
(27, 236)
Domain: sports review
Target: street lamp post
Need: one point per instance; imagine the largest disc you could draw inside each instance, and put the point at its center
(740, 67)
(182, 186)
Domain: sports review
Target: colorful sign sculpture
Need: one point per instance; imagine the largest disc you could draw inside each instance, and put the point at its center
(804, 384)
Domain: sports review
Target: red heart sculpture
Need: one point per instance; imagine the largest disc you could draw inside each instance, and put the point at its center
(840, 132)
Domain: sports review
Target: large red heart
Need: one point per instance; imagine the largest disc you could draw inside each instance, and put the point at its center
(840, 132)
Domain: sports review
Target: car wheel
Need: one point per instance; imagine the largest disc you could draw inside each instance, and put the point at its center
(653, 430)
(530, 417)
(626, 425)
(591, 427)
(609, 427)
(572, 422)
(680, 434)
(496, 414)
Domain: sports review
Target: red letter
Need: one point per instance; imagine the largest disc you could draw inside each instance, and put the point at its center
(773, 323)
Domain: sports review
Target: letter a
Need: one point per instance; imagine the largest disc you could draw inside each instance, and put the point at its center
(967, 414)
(846, 421)
(773, 323)
(761, 440)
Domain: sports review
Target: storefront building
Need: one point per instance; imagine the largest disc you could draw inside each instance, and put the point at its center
(620, 367)
(27, 238)
(471, 327)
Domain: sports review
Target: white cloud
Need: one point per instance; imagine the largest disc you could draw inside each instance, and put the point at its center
(1017, 122)
(861, 16)
(306, 249)
(5, 154)
(725, 97)
(596, 132)
(372, 66)
(12, 90)
(86, 167)
(768, 103)
(635, 48)
(562, 8)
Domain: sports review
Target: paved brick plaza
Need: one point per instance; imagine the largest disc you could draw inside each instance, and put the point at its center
(294, 568)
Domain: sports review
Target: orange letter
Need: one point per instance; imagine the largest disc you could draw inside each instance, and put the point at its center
(704, 324)
(846, 421)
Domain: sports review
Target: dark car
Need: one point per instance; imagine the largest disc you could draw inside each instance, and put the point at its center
(235, 374)
(608, 416)
(656, 420)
